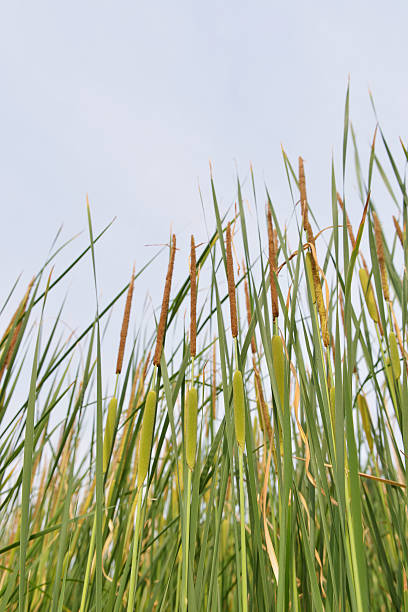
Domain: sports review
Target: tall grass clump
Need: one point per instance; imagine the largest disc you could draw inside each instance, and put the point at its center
(249, 449)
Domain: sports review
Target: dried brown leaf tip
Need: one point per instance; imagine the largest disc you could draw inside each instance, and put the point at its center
(380, 253)
(165, 305)
(231, 285)
(398, 230)
(193, 302)
(125, 323)
(273, 266)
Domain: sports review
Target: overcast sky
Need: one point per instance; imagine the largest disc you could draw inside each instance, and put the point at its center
(127, 101)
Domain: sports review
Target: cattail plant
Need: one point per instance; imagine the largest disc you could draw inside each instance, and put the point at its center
(321, 527)
(110, 427)
(149, 416)
(273, 267)
(380, 254)
(365, 419)
(350, 231)
(14, 326)
(264, 419)
(399, 231)
(311, 240)
(239, 410)
(369, 295)
(190, 418)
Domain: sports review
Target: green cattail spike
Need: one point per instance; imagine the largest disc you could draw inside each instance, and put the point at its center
(365, 418)
(279, 366)
(146, 435)
(190, 426)
(369, 295)
(109, 430)
(239, 408)
(309, 274)
(394, 356)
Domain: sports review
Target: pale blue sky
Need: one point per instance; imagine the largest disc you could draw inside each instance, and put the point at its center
(129, 100)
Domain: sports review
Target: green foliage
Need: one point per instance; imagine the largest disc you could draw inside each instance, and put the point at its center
(169, 495)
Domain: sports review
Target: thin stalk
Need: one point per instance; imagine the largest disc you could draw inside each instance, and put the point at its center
(243, 543)
(132, 585)
(184, 600)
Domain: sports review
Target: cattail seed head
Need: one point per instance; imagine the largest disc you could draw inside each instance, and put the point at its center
(165, 306)
(302, 189)
(273, 268)
(193, 301)
(394, 356)
(146, 435)
(231, 285)
(304, 204)
(365, 418)
(125, 324)
(262, 407)
(109, 431)
(369, 295)
(190, 426)
(380, 253)
(239, 408)
(17, 321)
(309, 274)
(398, 230)
(349, 228)
(279, 367)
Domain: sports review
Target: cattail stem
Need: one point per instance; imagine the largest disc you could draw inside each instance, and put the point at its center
(184, 600)
(133, 572)
(243, 542)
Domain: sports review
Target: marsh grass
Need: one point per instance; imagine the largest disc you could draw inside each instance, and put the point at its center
(257, 462)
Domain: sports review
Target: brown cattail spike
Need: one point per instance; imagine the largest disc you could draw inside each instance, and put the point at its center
(350, 231)
(231, 285)
(165, 305)
(125, 324)
(380, 253)
(302, 189)
(273, 268)
(193, 302)
(315, 272)
(349, 228)
(16, 320)
(398, 230)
